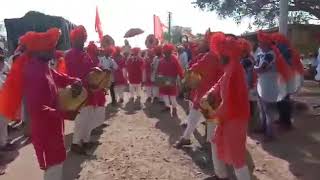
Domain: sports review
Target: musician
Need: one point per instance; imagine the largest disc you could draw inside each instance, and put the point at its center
(210, 70)
(120, 75)
(40, 94)
(292, 58)
(147, 82)
(79, 64)
(231, 110)
(169, 67)
(135, 66)
(154, 70)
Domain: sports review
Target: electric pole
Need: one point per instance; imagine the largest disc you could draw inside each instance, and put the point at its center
(283, 20)
(169, 24)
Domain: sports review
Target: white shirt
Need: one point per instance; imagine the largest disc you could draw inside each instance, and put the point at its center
(108, 64)
(3, 73)
(183, 57)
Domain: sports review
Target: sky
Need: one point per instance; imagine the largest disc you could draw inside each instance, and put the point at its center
(118, 16)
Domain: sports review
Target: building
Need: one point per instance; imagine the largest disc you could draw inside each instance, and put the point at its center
(305, 37)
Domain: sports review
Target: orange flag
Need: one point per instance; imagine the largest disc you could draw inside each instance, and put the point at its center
(158, 28)
(98, 25)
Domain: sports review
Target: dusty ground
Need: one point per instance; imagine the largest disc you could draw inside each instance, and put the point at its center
(137, 144)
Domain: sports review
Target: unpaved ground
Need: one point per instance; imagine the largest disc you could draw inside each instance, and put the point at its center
(137, 144)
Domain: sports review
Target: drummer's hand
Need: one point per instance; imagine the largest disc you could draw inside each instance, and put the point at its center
(76, 88)
(204, 104)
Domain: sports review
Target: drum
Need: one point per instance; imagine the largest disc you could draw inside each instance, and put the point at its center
(191, 79)
(163, 81)
(67, 102)
(209, 105)
(99, 79)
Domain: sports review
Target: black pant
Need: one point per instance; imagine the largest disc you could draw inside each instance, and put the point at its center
(113, 95)
(285, 110)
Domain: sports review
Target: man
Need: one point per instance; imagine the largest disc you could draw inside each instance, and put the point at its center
(292, 58)
(169, 68)
(79, 64)
(4, 69)
(229, 108)
(209, 68)
(108, 64)
(120, 77)
(40, 94)
(154, 71)
(98, 99)
(135, 66)
(273, 75)
(147, 74)
(183, 57)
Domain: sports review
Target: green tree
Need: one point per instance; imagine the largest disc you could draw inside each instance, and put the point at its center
(265, 13)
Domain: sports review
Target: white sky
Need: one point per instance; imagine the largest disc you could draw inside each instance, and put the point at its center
(118, 16)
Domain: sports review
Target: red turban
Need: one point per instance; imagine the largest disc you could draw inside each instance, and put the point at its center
(135, 51)
(295, 55)
(92, 49)
(264, 38)
(43, 41)
(109, 51)
(225, 45)
(157, 50)
(282, 67)
(78, 33)
(245, 46)
(117, 50)
(168, 48)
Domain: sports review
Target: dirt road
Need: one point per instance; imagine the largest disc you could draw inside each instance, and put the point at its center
(137, 144)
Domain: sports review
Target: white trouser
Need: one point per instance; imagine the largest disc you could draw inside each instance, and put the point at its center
(3, 131)
(193, 120)
(135, 89)
(211, 126)
(83, 125)
(24, 114)
(220, 168)
(54, 172)
(149, 92)
(170, 101)
(119, 91)
(155, 91)
(98, 117)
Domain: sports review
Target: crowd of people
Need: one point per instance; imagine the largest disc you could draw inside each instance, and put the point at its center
(225, 80)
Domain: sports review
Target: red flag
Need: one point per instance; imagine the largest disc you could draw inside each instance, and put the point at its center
(158, 28)
(98, 25)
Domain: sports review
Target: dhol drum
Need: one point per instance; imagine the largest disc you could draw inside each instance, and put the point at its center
(164, 81)
(208, 106)
(67, 102)
(191, 79)
(99, 79)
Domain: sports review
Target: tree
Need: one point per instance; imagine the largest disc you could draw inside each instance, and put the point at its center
(177, 33)
(263, 12)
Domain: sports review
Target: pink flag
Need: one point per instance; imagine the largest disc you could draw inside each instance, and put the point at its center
(158, 28)
(98, 26)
